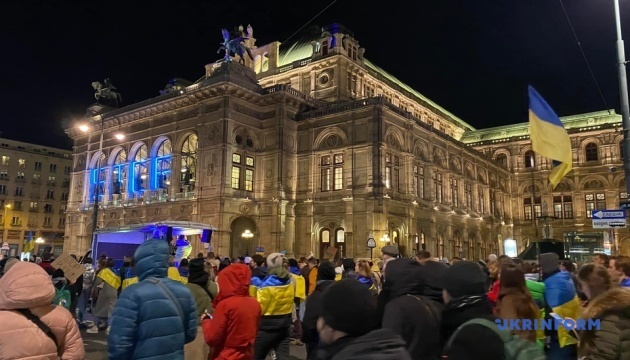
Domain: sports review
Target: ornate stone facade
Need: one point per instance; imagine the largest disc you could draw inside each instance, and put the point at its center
(308, 146)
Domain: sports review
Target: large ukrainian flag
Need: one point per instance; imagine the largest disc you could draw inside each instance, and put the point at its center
(549, 138)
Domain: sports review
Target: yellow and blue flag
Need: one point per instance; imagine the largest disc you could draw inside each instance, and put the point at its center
(549, 138)
(30, 244)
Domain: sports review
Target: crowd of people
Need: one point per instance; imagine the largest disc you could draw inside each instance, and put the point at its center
(208, 307)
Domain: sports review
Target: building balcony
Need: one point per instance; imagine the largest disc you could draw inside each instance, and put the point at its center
(33, 210)
(20, 180)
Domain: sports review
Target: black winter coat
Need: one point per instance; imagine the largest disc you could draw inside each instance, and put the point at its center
(379, 344)
(473, 342)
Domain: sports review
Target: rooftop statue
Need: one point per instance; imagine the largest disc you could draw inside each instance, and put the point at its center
(235, 44)
(105, 94)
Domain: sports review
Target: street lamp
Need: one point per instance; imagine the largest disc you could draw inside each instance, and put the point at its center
(623, 93)
(247, 234)
(385, 238)
(40, 240)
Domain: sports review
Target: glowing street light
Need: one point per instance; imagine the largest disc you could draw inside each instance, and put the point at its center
(84, 128)
(40, 240)
(247, 234)
(119, 136)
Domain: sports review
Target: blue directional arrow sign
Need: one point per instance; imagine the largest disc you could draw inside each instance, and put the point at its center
(609, 214)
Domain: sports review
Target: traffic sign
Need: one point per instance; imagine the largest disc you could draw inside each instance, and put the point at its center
(371, 243)
(260, 249)
(609, 214)
(606, 219)
(624, 205)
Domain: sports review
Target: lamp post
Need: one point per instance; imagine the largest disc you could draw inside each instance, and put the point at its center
(247, 235)
(120, 136)
(623, 93)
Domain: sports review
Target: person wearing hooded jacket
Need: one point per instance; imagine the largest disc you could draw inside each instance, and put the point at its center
(275, 295)
(347, 326)
(204, 291)
(27, 286)
(408, 312)
(313, 309)
(464, 292)
(158, 331)
(231, 330)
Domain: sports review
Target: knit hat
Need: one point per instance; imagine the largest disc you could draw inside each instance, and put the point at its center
(464, 278)
(274, 260)
(348, 306)
(326, 271)
(492, 257)
(196, 266)
(548, 262)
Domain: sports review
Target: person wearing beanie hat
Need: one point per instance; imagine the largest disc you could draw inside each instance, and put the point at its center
(348, 267)
(276, 294)
(560, 298)
(204, 291)
(10, 262)
(347, 326)
(312, 310)
(464, 293)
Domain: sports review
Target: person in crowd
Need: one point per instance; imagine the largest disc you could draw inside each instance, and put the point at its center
(294, 268)
(275, 295)
(390, 252)
(7, 263)
(123, 270)
(348, 267)
(432, 273)
(86, 294)
(308, 277)
(347, 326)
(231, 329)
(76, 289)
(377, 268)
(455, 259)
(516, 302)
(363, 273)
(560, 298)
(601, 259)
(107, 283)
(204, 291)
(200, 256)
(32, 327)
(612, 270)
(408, 312)
(594, 280)
(300, 296)
(302, 262)
(612, 308)
(130, 276)
(465, 297)
(622, 267)
(259, 273)
(158, 331)
(63, 292)
(46, 263)
(214, 262)
(502, 262)
(183, 270)
(313, 308)
(173, 271)
(492, 257)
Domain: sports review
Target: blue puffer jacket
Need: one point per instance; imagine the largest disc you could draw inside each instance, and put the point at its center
(145, 323)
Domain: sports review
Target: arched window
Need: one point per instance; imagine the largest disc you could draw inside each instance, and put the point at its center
(340, 236)
(189, 161)
(119, 173)
(163, 165)
(140, 168)
(502, 159)
(98, 176)
(530, 159)
(590, 151)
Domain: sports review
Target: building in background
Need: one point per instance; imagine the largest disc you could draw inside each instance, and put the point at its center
(34, 188)
(596, 182)
(309, 147)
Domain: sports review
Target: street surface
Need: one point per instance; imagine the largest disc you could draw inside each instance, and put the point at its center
(96, 347)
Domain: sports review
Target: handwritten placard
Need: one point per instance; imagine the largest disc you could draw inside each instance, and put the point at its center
(71, 268)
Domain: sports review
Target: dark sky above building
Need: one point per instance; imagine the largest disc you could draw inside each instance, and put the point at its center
(473, 57)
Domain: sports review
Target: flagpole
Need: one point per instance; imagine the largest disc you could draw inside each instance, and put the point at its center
(623, 93)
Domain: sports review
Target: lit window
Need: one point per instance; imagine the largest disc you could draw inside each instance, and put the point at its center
(332, 174)
(22, 163)
(590, 151)
(249, 180)
(454, 192)
(119, 173)
(236, 158)
(438, 190)
(189, 161)
(530, 159)
(502, 159)
(163, 166)
(236, 177)
(594, 202)
(5, 160)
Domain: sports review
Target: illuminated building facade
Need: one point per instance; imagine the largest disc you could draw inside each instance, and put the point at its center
(34, 188)
(308, 146)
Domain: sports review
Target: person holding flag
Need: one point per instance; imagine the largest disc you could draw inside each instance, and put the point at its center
(29, 246)
(549, 137)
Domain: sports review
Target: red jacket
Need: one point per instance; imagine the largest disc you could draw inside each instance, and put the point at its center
(47, 265)
(493, 294)
(232, 330)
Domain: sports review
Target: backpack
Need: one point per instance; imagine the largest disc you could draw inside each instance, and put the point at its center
(62, 297)
(516, 348)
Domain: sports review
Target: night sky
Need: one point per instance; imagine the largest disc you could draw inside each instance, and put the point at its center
(473, 57)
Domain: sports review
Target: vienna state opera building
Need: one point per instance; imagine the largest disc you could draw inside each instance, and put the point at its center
(311, 146)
